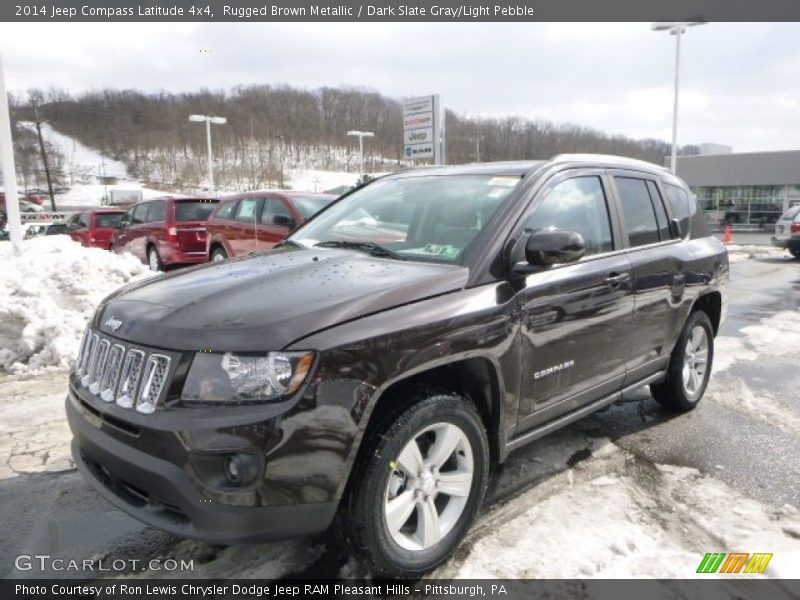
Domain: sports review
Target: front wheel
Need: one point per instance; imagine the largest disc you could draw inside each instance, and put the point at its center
(690, 366)
(418, 485)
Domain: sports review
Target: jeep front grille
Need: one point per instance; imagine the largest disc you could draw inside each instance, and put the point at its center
(132, 377)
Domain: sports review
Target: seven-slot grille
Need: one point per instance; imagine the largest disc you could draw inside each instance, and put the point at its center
(123, 374)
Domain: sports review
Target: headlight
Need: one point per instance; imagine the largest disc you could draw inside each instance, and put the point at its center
(231, 377)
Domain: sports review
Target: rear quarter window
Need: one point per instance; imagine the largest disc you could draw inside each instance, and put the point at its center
(680, 206)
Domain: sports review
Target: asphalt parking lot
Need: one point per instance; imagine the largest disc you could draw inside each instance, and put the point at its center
(742, 445)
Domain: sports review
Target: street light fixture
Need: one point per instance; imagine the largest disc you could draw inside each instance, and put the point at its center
(361, 135)
(676, 28)
(208, 121)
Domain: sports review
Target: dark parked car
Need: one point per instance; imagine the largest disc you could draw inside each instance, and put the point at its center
(340, 373)
(94, 228)
(165, 231)
(253, 221)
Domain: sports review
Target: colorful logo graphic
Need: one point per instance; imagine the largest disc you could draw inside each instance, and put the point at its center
(736, 562)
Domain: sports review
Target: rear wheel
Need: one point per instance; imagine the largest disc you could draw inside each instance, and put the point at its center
(795, 252)
(690, 366)
(154, 260)
(218, 254)
(418, 485)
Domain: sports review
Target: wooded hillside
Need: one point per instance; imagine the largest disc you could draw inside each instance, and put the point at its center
(271, 128)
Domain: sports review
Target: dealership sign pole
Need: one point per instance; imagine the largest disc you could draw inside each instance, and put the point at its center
(9, 171)
(423, 129)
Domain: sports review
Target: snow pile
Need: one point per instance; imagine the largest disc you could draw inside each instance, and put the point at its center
(48, 295)
(617, 517)
(777, 335)
(738, 252)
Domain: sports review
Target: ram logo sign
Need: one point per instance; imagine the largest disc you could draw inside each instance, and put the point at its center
(736, 562)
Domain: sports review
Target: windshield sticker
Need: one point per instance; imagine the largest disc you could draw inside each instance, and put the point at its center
(449, 251)
(446, 251)
(504, 181)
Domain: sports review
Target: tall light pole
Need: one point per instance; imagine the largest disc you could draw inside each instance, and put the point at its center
(208, 121)
(361, 135)
(675, 28)
(9, 170)
(478, 139)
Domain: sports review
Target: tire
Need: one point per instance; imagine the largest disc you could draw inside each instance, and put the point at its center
(795, 252)
(379, 476)
(685, 384)
(154, 260)
(218, 254)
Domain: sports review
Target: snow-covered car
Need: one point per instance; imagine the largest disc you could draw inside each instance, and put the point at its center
(787, 231)
(25, 205)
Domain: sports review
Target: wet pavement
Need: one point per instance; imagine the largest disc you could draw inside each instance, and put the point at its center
(745, 433)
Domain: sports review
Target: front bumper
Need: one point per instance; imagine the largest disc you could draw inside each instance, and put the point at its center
(163, 493)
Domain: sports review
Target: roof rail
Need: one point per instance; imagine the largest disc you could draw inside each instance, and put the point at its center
(608, 158)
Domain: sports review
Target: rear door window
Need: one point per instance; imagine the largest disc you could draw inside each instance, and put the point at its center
(637, 207)
(247, 210)
(661, 213)
(83, 221)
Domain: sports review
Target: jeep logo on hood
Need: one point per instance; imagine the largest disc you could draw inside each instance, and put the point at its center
(113, 323)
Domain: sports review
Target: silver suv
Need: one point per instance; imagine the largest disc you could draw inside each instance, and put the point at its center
(787, 231)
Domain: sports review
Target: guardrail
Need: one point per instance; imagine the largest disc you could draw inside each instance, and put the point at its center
(29, 217)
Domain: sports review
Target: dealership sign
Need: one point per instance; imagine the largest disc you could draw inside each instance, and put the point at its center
(423, 129)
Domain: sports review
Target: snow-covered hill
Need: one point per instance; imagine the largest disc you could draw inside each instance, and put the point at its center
(82, 164)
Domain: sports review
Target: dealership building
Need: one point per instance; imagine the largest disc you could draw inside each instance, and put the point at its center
(751, 189)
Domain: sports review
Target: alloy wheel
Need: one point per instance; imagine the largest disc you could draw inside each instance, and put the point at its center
(695, 362)
(429, 486)
(152, 259)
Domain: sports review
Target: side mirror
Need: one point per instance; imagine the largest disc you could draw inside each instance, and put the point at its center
(675, 228)
(283, 221)
(548, 247)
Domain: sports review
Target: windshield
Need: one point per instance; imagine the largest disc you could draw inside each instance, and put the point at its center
(418, 218)
(194, 210)
(308, 206)
(102, 220)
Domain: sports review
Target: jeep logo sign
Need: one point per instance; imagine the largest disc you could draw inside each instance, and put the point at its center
(418, 136)
(113, 323)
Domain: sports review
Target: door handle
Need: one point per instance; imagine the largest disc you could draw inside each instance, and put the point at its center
(617, 278)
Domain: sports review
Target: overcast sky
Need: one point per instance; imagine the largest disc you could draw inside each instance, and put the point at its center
(740, 82)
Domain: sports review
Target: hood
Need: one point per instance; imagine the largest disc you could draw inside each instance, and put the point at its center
(267, 301)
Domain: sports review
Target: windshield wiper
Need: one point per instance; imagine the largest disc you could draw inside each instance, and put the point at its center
(368, 247)
(288, 242)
